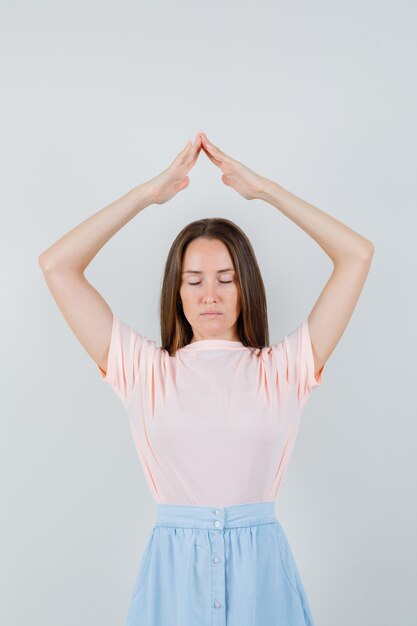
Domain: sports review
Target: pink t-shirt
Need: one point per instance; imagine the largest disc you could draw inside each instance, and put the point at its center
(213, 425)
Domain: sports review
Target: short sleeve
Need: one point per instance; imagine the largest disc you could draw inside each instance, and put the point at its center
(128, 357)
(295, 363)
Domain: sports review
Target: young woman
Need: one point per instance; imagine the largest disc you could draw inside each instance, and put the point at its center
(215, 410)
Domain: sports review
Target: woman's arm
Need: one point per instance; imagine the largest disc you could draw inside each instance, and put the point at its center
(338, 241)
(63, 264)
(350, 252)
(77, 248)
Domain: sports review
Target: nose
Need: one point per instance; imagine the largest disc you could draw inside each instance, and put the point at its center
(209, 293)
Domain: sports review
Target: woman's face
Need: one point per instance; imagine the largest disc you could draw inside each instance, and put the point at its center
(209, 284)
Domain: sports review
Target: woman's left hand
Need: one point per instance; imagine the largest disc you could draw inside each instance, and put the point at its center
(236, 175)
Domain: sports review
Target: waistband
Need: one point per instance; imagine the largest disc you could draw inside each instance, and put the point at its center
(215, 518)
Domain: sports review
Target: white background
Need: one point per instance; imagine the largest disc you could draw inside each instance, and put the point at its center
(98, 97)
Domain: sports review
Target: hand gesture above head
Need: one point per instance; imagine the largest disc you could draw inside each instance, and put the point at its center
(174, 178)
(236, 175)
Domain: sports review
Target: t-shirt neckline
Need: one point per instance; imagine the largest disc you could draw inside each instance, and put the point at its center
(213, 343)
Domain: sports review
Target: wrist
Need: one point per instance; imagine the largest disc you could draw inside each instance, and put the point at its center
(268, 190)
(144, 194)
(263, 190)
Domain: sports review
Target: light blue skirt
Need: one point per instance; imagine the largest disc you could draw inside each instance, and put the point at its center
(225, 566)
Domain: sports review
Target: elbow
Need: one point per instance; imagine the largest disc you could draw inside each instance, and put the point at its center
(371, 248)
(368, 250)
(43, 262)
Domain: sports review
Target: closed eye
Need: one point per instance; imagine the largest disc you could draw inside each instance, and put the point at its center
(224, 282)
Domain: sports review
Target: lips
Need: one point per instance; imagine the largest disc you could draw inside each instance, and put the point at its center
(211, 313)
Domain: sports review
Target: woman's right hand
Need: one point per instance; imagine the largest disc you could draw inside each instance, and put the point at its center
(174, 179)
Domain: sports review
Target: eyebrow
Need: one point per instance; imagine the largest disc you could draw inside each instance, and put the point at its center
(228, 269)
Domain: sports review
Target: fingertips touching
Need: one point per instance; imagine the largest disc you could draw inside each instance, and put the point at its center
(210, 146)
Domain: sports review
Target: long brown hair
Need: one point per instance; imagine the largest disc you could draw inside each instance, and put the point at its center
(252, 323)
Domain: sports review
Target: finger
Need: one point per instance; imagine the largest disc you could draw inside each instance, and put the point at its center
(212, 153)
(194, 152)
(208, 143)
(184, 151)
(196, 155)
(209, 150)
(213, 149)
(197, 144)
(191, 147)
(183, 155)
(212, 158)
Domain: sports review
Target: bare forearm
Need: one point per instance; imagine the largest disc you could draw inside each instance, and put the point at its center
(337, 240)
(76, 249)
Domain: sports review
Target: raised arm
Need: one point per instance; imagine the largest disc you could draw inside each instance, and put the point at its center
(351, 255)
(64, 262)
(350, 252)
(63, 265)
